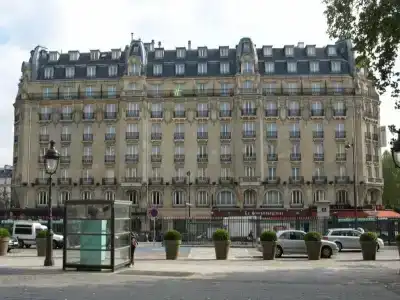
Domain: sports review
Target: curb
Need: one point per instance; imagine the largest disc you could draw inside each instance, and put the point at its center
(155, 273)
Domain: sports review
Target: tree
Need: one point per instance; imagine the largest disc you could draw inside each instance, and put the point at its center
(391, 177)
(374, 28)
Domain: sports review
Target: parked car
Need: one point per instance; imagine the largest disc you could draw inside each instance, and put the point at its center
(292, 242)
(13, 244)
(26, 232)
(348, 239)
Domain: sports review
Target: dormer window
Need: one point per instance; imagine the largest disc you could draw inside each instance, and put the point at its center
(224, 51)
(115, 54)
(331, 51)
(202, 52)
(48, 72)
(224, 68)
(179, 69)
(311, 51)
(69, 72)
(289, 51)
(202, 68)
(73, 56)
(336, 66)
(314, 66)
(180, 53)
(292, 67)
(94, 55)
(267, 51)
(269, 67)
(157, 70)
(91, 71)
(112, 70)
(53, 56)
(159, 53)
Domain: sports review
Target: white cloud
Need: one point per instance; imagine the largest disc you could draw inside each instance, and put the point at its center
(82, 25)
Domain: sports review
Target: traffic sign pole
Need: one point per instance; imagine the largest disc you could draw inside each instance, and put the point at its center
(154, 214)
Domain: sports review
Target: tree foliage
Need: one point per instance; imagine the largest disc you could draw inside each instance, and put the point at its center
(391, 177)
(374, 28)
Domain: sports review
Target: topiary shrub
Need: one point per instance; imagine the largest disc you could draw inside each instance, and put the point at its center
(313, 237)
(172, 235)
(220, 235)
(42, 234)
(4, 233)
(368, 237)
(268, 236)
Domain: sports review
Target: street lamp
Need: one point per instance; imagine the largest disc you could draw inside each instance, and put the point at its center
(348, 147)
(51, 160)
(396, 150)
(189, 204)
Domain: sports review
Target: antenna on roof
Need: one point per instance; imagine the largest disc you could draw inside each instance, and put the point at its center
(131, 36)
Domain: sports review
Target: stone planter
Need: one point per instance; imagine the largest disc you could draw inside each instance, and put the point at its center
(222, 249)
(368, 250)
(41, 245)
(269, 250)
(314, 250)
(172, 249)
(4, 245)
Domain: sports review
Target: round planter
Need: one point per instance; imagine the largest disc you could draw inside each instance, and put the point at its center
(314, 250)
(41, 245)
(368, 250)
(269, 250)
(222, 249)
(172, 249)
(4, 245)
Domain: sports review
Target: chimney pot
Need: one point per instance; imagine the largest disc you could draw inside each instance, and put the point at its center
(189, 45)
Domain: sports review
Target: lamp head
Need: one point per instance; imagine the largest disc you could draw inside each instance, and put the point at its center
(51, 159)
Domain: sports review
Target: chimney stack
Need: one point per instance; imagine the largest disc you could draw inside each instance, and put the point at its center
(131, 36)
(300, 45)
(159, 44)
(152, 45)
(189, 45)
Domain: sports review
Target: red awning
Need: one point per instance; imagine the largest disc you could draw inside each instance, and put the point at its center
(349, 214)
(389, 214)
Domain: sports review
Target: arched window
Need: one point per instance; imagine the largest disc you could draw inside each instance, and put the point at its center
(319, 196)
(156, 198)
(43, 198)
(133, 197)
(179, 198)
(250, 198)
(297, 197)
(342, 197)
(86, 195)
(109, 195)
(226, 198)
(273, 198)
(202, 198)
(64, 196)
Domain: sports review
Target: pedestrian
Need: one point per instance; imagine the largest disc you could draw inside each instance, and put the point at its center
(134, 244)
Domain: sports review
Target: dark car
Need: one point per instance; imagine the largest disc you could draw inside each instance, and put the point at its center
(13, 244)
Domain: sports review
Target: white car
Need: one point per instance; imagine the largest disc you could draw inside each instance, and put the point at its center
(292, 242)
(348, 238)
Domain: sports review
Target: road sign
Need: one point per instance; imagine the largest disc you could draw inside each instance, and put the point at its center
(154, 212)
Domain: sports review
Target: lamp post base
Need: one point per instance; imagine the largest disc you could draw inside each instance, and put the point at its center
(48, 262)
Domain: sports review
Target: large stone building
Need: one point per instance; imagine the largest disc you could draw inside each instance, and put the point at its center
(252, 127)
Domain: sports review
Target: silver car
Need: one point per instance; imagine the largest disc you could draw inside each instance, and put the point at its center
(348, 239)
(292, 242)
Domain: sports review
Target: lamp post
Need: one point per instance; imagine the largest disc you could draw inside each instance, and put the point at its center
(51, 160)
(355, 195)
(189, 204)
(396, 150)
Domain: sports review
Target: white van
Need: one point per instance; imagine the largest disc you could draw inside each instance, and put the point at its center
(26, 233)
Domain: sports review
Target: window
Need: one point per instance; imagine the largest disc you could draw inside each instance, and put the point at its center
(159, 53)
(202, 198)
(247, 67)
(342, 171)
(271, 149)
(269, 88)
(180, 53)
(88, 91)
(179, 198)
(249, 198)
(73, 55)
(267, 51)
(340, 127)
(64, 151)
(87, 129)
(271, 128)
(249, 127)
(289, 51)
(202, 68)
(131, 173)
(53, 56)
(64, 196)
(179, 69)
(115, 54)
(318, 171)
(224, 68)
(319, 148)
(131, 128)
(249, 171)
(42, 198)
(226, 198)
(134, 70)
(156, 198)
(156, 173)
(48, 73)
(86, 195)
(271, 173)
(311, 51)
(314, 66)
(341, 197)
(69, 72)
(157, 69)
(202, 150)
(112, 70)
(223, 51)
(133, 197)
(315, 87)
(297, 197)
(319, 196)
(332, 51)
(225, 149)
(273, 198)
(225, 172)
(111, 91)
(179, 150)
(336, 66)
(87, 151)
(292, 67)
(269, 67)
(249, 150)
(109, 195)
(295, 172)
(91, 71)
(202, 52)
(377, 172)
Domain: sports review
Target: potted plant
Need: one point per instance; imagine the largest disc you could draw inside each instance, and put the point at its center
(398, 242)
(368, 242)
(4, 239)
(221, 244)
(172, 242)
(268, 241)
(41, 242)
(313, 245)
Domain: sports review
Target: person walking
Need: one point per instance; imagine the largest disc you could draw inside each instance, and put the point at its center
(134, 244)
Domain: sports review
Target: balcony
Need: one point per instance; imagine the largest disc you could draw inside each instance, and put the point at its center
(109, 158)
(247, 90)
(202, 158)
(225, 158)
(249, 179)
(110, 115)
(249, 112)
(225, 180)
(339, 112)
(156, 158)
(317, 113)
(375, 137)
(342, 179)
(225, 135)
(156, 136)
(132, 113)
(270, 113)
(368, 157)
(179, 114)
(66, 117)
(132, 136)
(88, 116)
(156, 180)
(202, 135)
(87, 137)
(44, 138)
(248, 134)
(225, 113)
(368, 135)
(179, 158)
(296, 179)
(202, 114)
(319, 156)
(272, 135)
(179, 136)
(272, 180)
(249, 158)
(318, 134)
(109, 181)
(45, 117)
(86, 180)
(156, 115)
(294, 113)
(133, 179)
(320, 179)
(272, 157)
(295, 157)
(110, 137)
(131, 158)
(294, 134)
(64, 181)
(42, 181)
(65, 159)
(202, 180)
(341, 157)
(87, 159)
(179, 180)
(66, 137)
(340, 135)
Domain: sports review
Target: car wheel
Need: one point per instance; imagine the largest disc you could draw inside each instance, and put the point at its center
(55, 245)
(279, 252)
(21, 244)
(27, 246)
(339, 245)
(326, 252)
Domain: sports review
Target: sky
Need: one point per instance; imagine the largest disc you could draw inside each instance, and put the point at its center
(82, 25)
